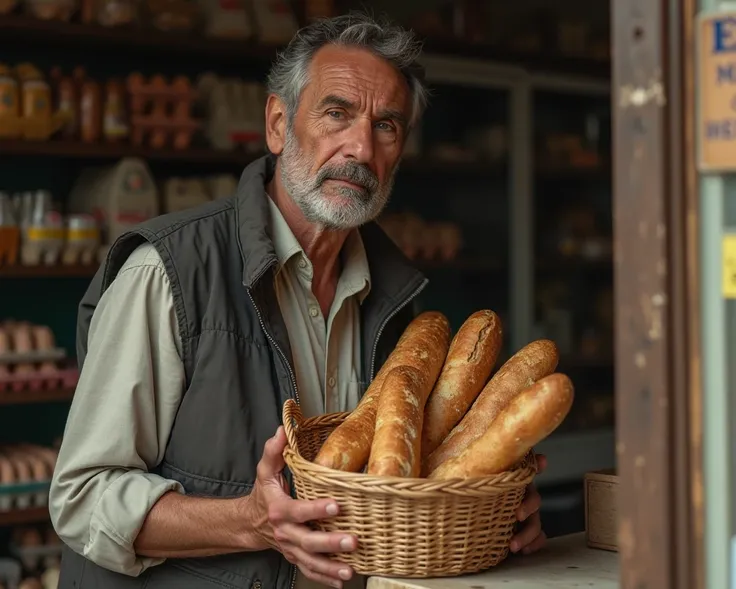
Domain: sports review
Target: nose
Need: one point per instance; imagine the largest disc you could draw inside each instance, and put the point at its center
(358, 144)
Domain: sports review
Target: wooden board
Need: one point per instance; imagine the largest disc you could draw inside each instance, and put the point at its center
(566, 562)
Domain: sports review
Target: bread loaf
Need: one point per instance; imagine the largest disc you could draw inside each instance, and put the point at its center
(423, 346)
(399, 417)
(472, 355)
(528, 418)
(534, 361)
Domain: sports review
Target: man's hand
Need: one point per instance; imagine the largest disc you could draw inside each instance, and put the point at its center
(280, 521)
(530, 537)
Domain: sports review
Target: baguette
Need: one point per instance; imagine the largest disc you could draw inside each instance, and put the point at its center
(534, 361)
(472, 355)
(396, 444)
(423, 346)
(529, 418)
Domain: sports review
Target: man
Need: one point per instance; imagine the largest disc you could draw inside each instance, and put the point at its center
(201, 324)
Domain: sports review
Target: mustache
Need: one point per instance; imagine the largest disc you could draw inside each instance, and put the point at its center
(352, 172)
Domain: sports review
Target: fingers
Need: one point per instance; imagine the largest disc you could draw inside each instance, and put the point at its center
(541, 463)
(531, 504)
(299, 512)
(536, 544)
(528, 534)
(322, 579)
(312, 541)
(324, 567)
(272, 461)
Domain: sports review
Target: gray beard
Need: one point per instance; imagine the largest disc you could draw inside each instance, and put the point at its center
(357, 207)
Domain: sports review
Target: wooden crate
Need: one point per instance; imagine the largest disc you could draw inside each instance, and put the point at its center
(601, 509)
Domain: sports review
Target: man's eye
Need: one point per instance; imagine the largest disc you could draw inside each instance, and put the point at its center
(334, 114)
(383, 126)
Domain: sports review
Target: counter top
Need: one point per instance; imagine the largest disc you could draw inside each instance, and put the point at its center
(565, 563)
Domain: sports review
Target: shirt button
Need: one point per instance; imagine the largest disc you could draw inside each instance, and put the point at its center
(331, 381)
(314, 311)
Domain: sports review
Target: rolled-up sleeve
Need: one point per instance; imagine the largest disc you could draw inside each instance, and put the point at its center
(120, 419)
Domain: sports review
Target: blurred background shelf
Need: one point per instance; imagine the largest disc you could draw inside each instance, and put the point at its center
(28, 30)
(55, 271)
(114, 151)
(31, 397)
(17, 517)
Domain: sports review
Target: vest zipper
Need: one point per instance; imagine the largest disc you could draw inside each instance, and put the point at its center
(393, 313)
(291, 375)
(278, 349)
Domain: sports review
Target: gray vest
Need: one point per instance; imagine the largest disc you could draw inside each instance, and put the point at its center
(220, 261)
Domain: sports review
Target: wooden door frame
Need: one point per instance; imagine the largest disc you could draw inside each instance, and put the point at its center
(658, 380)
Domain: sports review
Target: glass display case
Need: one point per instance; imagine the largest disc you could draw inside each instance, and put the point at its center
(452, 202)
(573, 246)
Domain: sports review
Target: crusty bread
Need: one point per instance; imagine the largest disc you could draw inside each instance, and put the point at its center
(423, 346)
(529, 417)
(534, 361)
(472, 355)
(396, 443)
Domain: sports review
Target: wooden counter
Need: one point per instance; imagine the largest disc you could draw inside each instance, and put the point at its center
(565, 563)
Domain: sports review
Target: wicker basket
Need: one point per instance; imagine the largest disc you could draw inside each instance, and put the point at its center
(407, 527)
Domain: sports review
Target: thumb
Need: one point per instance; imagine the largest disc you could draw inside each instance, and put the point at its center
(272, 462)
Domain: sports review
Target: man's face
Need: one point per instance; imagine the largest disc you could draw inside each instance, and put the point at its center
(342, 149)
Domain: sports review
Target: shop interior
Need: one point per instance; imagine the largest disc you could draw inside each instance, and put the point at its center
(132, 108)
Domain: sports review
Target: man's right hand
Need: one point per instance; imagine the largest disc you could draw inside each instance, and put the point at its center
(281, 521)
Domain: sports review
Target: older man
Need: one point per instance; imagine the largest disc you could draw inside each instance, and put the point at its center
(201, 324)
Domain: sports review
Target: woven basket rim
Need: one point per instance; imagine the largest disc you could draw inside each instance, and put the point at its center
(293, 420)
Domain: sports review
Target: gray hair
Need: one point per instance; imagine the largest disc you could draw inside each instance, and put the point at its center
(290, 72)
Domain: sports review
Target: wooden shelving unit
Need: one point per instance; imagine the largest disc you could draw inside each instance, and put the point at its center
(17, 517)
(26, 29)
(33, 397)
(105, 151)
(56, 271)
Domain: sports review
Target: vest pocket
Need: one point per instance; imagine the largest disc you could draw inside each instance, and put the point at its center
(193, 575)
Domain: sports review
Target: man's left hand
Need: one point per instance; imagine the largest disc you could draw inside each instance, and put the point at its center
(530, 536)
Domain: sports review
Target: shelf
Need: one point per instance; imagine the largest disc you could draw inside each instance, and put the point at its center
(106, 151)
(25, 29)
(581, 361)
(429, 166)
(17, 517)
(547, 62)
(21, 29)
(568, 264)
(57, 271)
(33, 397)
(469, 265)
(557, 173)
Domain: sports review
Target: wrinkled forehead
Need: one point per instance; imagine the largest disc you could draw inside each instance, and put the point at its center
(361, 78)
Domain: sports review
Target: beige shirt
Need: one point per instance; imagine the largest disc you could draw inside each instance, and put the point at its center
(133, 380)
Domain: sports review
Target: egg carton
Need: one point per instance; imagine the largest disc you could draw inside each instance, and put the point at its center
(24, 495)
(61, 378)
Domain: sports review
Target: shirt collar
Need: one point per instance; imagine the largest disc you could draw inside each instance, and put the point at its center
(355, 276)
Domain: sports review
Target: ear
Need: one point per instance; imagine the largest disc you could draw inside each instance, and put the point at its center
(275, 124)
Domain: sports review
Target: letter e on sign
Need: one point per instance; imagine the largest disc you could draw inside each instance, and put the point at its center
(716, 86)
